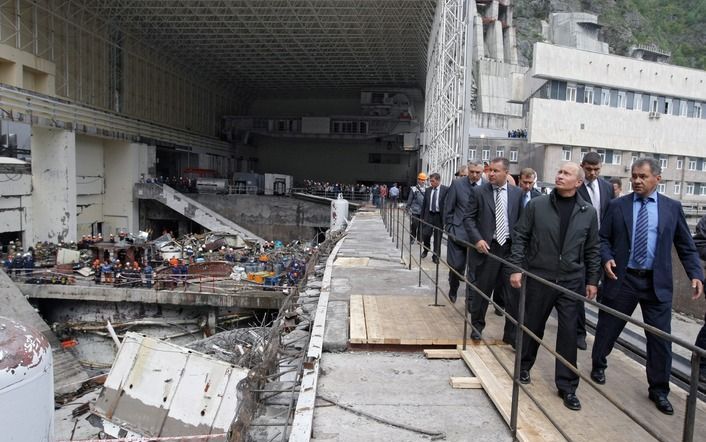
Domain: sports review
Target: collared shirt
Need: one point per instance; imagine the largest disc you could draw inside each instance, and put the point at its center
(594, 193)
(526, 198)
(434, 199)
(652, 224)
(503, 199)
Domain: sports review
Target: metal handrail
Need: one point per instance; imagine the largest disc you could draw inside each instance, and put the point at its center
(697, 353)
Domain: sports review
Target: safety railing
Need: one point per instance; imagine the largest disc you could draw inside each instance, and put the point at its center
(397, 220)
(350, 195)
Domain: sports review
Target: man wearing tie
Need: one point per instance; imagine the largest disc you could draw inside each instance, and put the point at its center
(599, 193)
(455, 205)
(637, 234)
(490, 218)
(528, 178)
(432, 211)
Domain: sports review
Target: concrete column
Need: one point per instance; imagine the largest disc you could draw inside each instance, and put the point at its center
(122, 171)
(54, 185)
(510, 46)
(494, 41)
(478, 40)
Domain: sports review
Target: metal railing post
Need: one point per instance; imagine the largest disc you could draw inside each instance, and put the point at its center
(518, 357)
(467, 303)
(420, 263)
(690, 414)
(397, 226)
(410, 242)
(436, 280)
(401, 240)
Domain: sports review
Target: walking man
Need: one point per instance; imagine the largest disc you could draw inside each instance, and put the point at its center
(456, 204)
(557, 239)
(637, 235)
(528, 178)
(432, 211)
(490, 218)
(415, 203)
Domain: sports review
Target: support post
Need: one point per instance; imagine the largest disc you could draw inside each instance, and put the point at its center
(518, 357)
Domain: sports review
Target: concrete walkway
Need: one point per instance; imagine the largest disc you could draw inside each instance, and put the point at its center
(401, 387)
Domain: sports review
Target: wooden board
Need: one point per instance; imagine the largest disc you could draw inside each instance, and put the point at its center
(358, 334)
(465, 383)
(532, 425)
(352, 262)
(442, 353)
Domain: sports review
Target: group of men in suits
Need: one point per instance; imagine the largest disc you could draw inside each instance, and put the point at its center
(579, 237)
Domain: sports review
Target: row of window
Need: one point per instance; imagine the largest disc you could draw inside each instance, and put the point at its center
(485, 154)
(602, 96)
(609, 156)
(691, 188)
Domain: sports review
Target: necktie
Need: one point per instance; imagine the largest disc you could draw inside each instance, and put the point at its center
(640, 247)
(527, 199)
(500, 227)
(434, 201)
(592, 193)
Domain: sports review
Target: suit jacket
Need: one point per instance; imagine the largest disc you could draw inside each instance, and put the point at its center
(616, 242)
(479, 220)
(458, 197)
(534, 193)
(427, 202)
(606, 191)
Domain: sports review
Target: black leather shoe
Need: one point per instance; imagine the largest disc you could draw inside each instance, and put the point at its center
(452, 296)
(424, 254)
(435, 259)
(570, 400)
(662, 403)
(598, 375)
(475, 336)
(525, 377)
(581, 343)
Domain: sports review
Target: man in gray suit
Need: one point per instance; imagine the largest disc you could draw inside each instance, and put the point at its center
(490, 218)
(458, 196)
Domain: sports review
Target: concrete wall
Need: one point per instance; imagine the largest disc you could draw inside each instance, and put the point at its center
(495, 82)
(618, 72)
(580, 124)
(54, 185)
(313, 107)
(122, 171)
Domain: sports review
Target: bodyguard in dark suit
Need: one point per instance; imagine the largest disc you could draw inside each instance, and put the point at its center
(700, 241)
(458, 197)
(432, 213)
(490, 218)
(598, 192)
(636, 251)
(528, 178)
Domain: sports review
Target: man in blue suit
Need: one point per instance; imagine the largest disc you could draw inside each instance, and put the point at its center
(637, 234)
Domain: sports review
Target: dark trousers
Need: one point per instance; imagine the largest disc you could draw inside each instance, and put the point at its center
(539, 303)
(580, 320)
(435, 230)
(701, 343)
(456, 257)
(415, 230)
(637, 290)
(488, 273)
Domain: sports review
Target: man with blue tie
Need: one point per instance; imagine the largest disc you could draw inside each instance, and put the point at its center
(528, 178)
(637, 234)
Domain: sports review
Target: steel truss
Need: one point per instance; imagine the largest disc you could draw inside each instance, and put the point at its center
(448, 76)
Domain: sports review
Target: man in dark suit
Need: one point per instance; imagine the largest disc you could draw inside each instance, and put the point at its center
(528, 178)
(455, 205)
(700, 241)
(490, 218)
(636, 251)
(598, 192)
(432, 213)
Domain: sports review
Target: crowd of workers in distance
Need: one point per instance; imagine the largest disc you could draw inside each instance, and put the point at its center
(584, 236)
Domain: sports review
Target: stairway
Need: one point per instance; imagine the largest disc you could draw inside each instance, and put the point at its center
(192, 209)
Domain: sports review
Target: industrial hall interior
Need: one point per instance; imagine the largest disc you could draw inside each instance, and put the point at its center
(352, 220)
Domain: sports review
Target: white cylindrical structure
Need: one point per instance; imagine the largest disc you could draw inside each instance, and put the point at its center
(339, 213)
(26, 384)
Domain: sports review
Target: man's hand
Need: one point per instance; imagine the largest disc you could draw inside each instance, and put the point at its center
(482, 246)
(698, 287)
(608, 267)
(591, 291)
(516, 280)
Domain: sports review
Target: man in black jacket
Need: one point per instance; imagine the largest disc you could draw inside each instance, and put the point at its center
(565, 228)
(700, 241)
(432, 211)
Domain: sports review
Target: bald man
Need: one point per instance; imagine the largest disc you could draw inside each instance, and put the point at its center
(556, 238)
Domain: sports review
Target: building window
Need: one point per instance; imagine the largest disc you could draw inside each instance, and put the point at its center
(663, 163)
(500, 152)
(588, 95)
(667, 107)
(486, 154)
(661, 188)
(571, 93)
(692, 164)
(690, 188)
(653, 104)
(350, 127)
(622, 100)
(629, 186)
(683, 108)
(471, 154)
(680, 164)
(605, 97)
(703, 165)
(601, 153)
(566, 154)
(584, 151)
(697, 110)
(703, 189)
(513, 156)
(617, 158)
(677, 188)
(637, 102)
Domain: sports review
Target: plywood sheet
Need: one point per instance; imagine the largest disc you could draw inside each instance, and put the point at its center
(358, 334)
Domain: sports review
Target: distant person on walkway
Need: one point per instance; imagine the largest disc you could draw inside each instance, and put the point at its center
(455, 206)
(557, 239)
(489, 220)
(415, 202)
(617, 184)
(432, 214)
(394, 193)
(637, 235)
(700, 241)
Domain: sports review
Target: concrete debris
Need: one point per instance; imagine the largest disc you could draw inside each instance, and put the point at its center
(242, 347)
